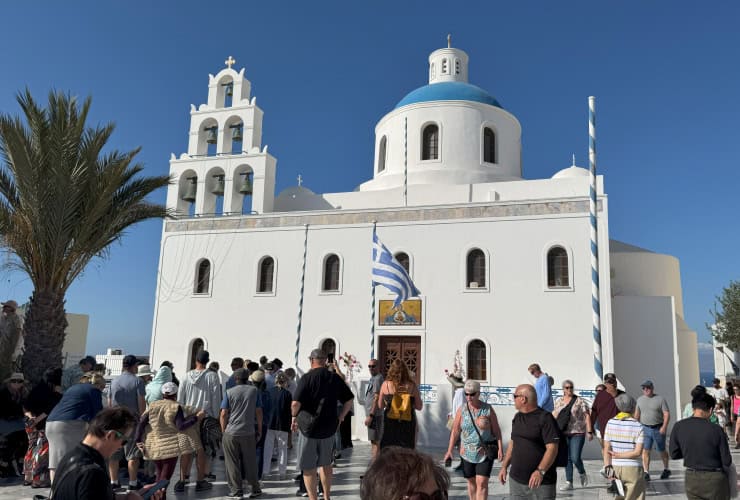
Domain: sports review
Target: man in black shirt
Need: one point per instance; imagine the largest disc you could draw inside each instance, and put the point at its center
(83, 473)
(316, 395)
(532, 450)
(705, 452)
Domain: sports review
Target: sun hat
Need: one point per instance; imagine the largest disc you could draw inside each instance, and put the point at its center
(10, 303)
(169, 388)
(257, 376)
(144, 371)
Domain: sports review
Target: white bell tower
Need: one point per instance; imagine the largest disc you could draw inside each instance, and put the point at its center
(225, 162)
(448, 64)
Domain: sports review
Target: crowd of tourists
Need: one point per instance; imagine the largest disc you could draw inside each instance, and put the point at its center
(73, 434)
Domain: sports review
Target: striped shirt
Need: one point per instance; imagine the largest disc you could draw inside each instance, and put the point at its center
(624, 435)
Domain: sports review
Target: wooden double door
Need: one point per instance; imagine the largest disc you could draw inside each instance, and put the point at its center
(405, 348)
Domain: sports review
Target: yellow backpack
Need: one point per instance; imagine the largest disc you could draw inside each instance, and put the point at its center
(401, 407)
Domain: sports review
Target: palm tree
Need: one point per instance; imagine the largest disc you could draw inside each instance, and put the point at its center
(63, 201)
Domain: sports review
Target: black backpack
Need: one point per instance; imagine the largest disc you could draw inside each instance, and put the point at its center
(561, 459)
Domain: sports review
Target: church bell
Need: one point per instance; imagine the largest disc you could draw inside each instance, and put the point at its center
(236, 133)
(229, 90)
(212, 138)
(246, 187)
(190, 189)
(218, 187)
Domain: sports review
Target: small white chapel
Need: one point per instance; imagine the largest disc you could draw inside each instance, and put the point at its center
(503, 263)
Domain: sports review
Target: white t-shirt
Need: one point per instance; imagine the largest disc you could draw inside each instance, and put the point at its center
(718, 394)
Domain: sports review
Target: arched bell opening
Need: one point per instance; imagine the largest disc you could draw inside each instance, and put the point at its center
(225, 92)
(187, 191)
(233, 135)
(207, 137)
(242, 186)
(213, 197)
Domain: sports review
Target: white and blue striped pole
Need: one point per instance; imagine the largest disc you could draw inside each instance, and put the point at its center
(405, 163)
(300, 299)
(593, 208)
(372, 296)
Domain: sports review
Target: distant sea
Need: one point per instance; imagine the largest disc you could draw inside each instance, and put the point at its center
(706, 378)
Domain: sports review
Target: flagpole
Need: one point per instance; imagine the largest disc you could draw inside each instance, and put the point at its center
(372, 298)
(405, 163)
(300, 300)
(593, 212)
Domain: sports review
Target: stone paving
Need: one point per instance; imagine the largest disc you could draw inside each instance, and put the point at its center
(354, 461)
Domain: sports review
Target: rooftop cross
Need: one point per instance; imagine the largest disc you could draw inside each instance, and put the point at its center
(300, 180)
(230, 62)
(449, 40)
(574, 160)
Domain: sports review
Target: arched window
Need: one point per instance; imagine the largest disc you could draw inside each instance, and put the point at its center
(477, 360)
(433, 72)
(329, 347)
(489, 145)
(557, 268)
(195, 348)
(430, 142)
(381, 155)
(203, 276)
(331, 273)
(476, 269)
(403, 259)
(266, 275)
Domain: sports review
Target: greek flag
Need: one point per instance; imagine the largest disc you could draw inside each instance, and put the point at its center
(390, 274)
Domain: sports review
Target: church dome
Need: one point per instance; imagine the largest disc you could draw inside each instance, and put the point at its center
(449, 91)
(570, 172)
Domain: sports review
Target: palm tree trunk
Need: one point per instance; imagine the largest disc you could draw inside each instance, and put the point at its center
(43, 330)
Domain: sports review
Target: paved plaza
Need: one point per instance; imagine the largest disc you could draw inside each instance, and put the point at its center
(354, 461)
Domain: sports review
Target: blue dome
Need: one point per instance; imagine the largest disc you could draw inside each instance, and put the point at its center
(448, 91)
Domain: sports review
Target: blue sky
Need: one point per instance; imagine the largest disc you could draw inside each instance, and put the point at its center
(665, 75)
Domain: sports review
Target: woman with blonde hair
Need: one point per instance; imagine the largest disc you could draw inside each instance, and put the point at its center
(399, 399)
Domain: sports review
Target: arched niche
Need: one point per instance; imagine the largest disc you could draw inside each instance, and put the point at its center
(227, 135)
(213, 203)
(240, 203)
(204, 148)
(185, 185)
(222, 99)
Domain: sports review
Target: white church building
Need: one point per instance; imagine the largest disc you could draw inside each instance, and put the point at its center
(502, 262)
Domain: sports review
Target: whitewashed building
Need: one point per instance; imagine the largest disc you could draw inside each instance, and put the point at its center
(502, 262)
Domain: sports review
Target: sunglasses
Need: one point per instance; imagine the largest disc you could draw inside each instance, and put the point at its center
(599, 389)
(372, 366)
(519, 396)
(567, 387)
(471, 394)
(121, 437)
(17, 380)
(437, 495)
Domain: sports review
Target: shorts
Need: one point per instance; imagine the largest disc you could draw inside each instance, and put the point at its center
(470, 469)
(652, 435)
(373, 432)
(314, 453)
(129, 451)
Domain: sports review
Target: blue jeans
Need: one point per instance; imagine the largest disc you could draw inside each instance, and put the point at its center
(575, 447)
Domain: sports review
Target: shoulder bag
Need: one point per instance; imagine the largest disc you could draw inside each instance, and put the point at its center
(564, 415)
(491, 446)
(307, 421)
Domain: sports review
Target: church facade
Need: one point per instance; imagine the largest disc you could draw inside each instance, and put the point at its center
(502, 262)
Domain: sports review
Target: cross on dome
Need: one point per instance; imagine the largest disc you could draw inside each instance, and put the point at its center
(230, 62)
(300, 180)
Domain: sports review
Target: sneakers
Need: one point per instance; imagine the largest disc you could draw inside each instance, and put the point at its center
(665, 474)
(255, 494)
(114, 486)
(133, 486)
(238, 494)
(567, 486)
(584, 479)
(203, 485)
(647, 477)
(210, 477)
(301, 493)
